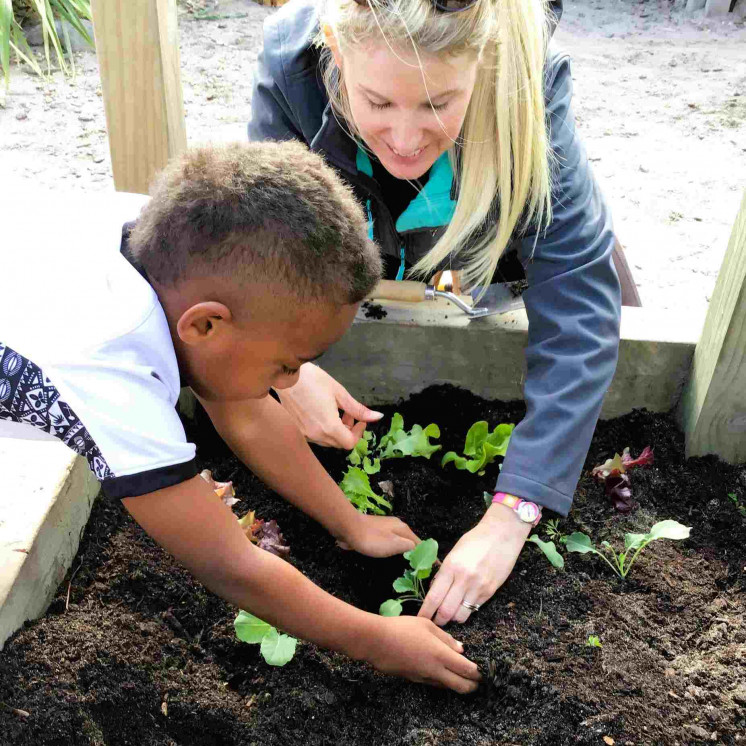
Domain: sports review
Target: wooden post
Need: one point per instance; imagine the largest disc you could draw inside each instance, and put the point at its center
(713, 407)
(138, 55)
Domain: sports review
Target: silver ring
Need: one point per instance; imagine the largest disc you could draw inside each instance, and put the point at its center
(471, 607)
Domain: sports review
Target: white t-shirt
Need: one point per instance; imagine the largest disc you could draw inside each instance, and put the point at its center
(85, 351)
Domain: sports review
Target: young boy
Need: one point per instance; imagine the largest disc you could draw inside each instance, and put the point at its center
(247, 262)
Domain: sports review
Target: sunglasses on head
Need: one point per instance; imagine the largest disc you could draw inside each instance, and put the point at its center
(442, 6)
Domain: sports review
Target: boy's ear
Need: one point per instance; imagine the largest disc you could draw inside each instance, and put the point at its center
(203, 321)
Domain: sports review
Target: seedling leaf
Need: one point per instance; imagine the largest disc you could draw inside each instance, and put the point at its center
(632, 541)
(422, 557)
(356, 486)
(405, 584)
(579, 542)
(277, 649)
(249, 628)
(392, 607)
(669, 530)
(550, 551)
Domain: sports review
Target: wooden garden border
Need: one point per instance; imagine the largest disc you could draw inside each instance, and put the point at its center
(137, 45)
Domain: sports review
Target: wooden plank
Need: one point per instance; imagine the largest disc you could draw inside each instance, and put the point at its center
(138, 53)
(417, 345)
(713, 408)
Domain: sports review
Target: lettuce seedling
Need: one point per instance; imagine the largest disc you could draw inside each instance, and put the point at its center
(633, 544)
(409, 585)
(550, 551)
(613, 475)
(361, 454)
(482, 446)
(399, 442)
(733, 497)
(553, 530)
(356, 486)
(276, 649)
(593, 641)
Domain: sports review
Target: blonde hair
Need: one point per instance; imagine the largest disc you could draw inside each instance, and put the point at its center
(504, 173)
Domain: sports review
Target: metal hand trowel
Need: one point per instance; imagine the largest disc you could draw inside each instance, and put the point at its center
(498, 298)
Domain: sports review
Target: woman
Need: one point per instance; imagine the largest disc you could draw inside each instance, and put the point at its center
(451, 120)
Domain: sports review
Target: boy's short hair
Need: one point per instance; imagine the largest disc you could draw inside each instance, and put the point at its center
(262, 211)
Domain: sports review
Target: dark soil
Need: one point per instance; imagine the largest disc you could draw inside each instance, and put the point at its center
(374, 311)
(146, 656)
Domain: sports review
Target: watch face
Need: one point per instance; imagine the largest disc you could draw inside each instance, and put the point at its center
(528, 512)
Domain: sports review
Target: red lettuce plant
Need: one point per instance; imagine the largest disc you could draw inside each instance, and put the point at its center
(613, 475)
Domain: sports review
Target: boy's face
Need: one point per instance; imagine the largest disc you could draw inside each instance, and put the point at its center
(267, 349)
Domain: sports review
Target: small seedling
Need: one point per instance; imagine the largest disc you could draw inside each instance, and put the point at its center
(593, 641)
(550, 551)
(356, 486)
(421, 561)
(552, 529)
(739, 507)
(481, 447)
(399, 442)
(633, 544)
(277, 649)
(362, 454)
(613, 475)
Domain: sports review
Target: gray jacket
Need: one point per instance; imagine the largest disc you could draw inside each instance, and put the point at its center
(573, 300)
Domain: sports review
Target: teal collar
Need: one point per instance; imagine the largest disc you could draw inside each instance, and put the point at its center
(433, 206)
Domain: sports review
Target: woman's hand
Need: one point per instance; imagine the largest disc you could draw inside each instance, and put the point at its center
(477, 566)
(379, 536)
(314, 403)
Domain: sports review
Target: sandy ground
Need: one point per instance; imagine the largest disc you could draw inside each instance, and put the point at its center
(660, 99)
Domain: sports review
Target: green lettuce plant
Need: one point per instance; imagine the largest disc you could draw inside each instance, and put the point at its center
(409, 585)
(622, 562)
(362, 454)
(481, 447)
(356, 486)
(733, 497)
(276, 649)
(593, 641)
(399, 442)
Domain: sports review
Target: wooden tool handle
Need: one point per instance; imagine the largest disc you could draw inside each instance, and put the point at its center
(406, 290)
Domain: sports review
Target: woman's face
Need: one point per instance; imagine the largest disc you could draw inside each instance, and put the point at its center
(407, 112)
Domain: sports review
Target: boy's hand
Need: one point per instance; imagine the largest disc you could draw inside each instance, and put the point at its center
(379, 536)
(314, 403)
(418, 650)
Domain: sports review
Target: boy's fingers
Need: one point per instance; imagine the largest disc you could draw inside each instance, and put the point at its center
(348, 420)
(353, 407)
(449, 640)
(343, 438)
(458, 683)
(404, 530)
(464, 667)
(358, 431)
(436, 594)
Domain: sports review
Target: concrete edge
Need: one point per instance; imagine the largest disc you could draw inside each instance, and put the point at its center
(43, 539)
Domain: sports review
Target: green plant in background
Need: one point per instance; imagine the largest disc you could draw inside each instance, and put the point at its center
(550, 551)
(409, 585)
(276, 649)
(361, 454)
(399, 442)
(633, 544)
(737, 503)
(481, 447)
(356, 486)
(593, 641)
(13, 13)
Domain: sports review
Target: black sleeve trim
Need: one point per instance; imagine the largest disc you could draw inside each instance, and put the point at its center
(149, 481)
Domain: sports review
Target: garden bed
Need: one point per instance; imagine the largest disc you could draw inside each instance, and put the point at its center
(144, 655)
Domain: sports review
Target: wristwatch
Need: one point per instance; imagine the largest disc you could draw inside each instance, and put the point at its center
(527, 511)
